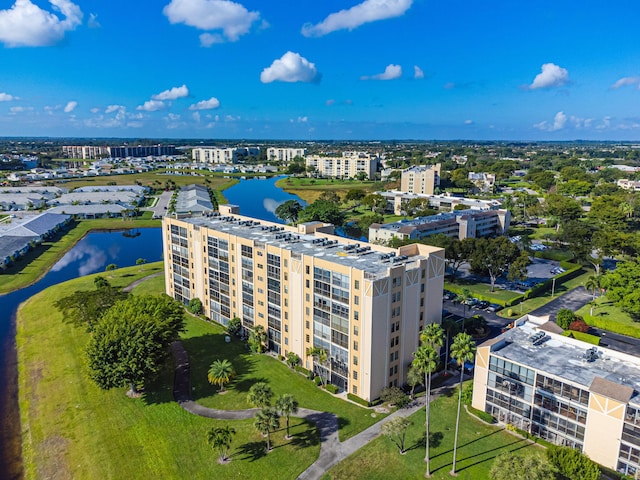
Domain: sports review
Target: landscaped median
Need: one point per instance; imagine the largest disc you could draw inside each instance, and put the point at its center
(73, 429)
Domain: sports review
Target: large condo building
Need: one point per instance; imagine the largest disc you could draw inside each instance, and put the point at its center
(285, 155)
(350, 165)
(223, 155)
(85, 151)
(458, 224)
(420, 179)
(90, 152)
(563, 390)
(364, 305)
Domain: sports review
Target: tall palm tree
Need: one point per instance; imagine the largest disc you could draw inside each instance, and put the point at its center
(425, 360)
(462, 298)
(463, 350)
(260, 395)
(320, 356)
(220, 373)
(592, 284)
(220, 439)
(266, 421)
(287, 405)
(433, 335)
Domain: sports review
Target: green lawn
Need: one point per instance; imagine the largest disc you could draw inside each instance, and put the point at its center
(609, 317)
(309, 189)
(478, 445)
(71, 429)
(33, 266)
(482, 291)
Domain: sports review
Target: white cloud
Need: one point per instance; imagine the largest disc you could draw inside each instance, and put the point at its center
(114, 108)
(196, 117)
(5, 97)
(70, 106)
(27, 25)
(626, 81)
(172, 94)
(20, 109)
(208, 39)
(559, 122)
(551, 76)
(151, 106)
(94, 110)
(232, 18)
(468, 122)
(173, 116)
(206, 104)
(291, 67)
(93, 21)
(365, 12)
(390, 73)
(417, 72)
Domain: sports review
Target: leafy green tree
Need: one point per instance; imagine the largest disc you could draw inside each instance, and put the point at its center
(296, 168)
(289, 211)
(623, 287)
(260, 395)
(330, 196)
(355, 194)
(605, 213)
(571, 463)
(562, 208)
(564, 317)
(508, 466)
(414, 378)
(377, 203)
(322, 211)
(220, 373)
(88, 307)
(141, 261)
(396, 431)
(267, 421)
(367, 220)
(101, 282)
(234, 327)
(110, 267)
(287, 405)
(293, 359)
(463, 350)
(257, 339)
(131, 341)
(425, 360)
(195, 306)
(220, 439)
(394, 396)
(497, 256)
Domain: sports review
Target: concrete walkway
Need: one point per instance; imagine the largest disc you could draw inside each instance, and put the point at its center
(332, 450)
(133, 285)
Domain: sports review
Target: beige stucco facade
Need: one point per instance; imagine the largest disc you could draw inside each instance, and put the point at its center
(420, 179)
(364, 306)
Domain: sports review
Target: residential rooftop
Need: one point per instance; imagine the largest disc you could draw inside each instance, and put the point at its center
(569, 358)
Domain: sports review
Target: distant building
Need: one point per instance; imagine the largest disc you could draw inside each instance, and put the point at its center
(458, 224)
(420, 179)
(629, 184)
(218, 155)
(396, 202)
(285, 155)
(192, 200)
(93, 152)
(483, 181)
(85, 151)
(350, 165)
(563, 390)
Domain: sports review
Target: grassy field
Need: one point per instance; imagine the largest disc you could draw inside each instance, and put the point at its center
(481, 290)
(478, 445)
(155, 179)
(609, 317)
(33, 266)
(309, 189)
(71, 429)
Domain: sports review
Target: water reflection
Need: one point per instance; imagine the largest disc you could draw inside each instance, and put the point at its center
(95, 259)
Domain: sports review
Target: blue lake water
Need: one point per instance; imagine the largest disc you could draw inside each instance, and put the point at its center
(259, 198)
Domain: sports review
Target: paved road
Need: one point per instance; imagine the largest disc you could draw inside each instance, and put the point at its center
(572, 300)
(163, 201)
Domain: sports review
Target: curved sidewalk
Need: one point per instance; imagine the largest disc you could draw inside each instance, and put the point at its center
(332, 450)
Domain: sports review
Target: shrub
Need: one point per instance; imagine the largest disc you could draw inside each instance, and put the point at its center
(467, 394)
(358, 400)
(579, 325)
(394, 396)
(510, 313)
(564, 318)
(301, 369)
(281, 357)
(481, 415)
(571, 463)
(331, 388)
(195, 306)
(234, 327)
(310, 375)
(317, 380)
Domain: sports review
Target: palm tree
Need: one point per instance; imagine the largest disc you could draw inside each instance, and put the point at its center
(292, 359)
(220, 373)
(433, 335)
(257, 338)
(462, 298)
(267, 421)
(592, 284)
(260, 395)
(220, 438)
(425, 360)
(463, 350)
(287, 405)
(320, 357)
(452, 328)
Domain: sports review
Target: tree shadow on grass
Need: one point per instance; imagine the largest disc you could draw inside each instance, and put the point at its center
(520, 447)
(435, 439)
(469, 443)
(246, 383)
(251, 451)
(309, 437)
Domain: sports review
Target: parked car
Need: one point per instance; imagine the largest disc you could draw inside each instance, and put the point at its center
(494, 307)
(471, 301)
(482, 304)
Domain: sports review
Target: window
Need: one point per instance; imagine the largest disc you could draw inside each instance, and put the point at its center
(307, 338)
(356, 284)
(286, 302)
(395, 356)
(306, 270)
(356, 300)
(286, 328)
(422, 302)
(395, 369)
(286, 340)
(307, 286)
(355, 360)
(355, 330)
(355, 346)
(355, 375)
(286, 263)
(356, 316)
(393, 327)
(355, 390)
(391, 372)
(421, 288)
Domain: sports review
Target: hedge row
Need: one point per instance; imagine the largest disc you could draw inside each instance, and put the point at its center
(572, 270)
(331, 388)
(358, 400)
(484, 416)
(505, 303)
(613, 326)
(583, 337)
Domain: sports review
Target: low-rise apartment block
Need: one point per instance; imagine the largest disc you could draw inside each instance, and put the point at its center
(421, 179)
(397, 201)
(563, 390)
(219, 155)
(123, 151)
(285, 155)
(458, 224)
(347, 166)
(365, 305)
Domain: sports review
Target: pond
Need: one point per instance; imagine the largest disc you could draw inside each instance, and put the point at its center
(90, 255)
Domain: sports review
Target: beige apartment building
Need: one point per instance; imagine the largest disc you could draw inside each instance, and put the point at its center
(563, 390)
(364, 304)
(420, 179)
(85, 151)
(285, 154)
(347, 166)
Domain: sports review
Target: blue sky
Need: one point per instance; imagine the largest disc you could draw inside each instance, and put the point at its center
(357, 69)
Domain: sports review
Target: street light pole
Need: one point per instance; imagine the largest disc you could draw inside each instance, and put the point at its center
(553, 287)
